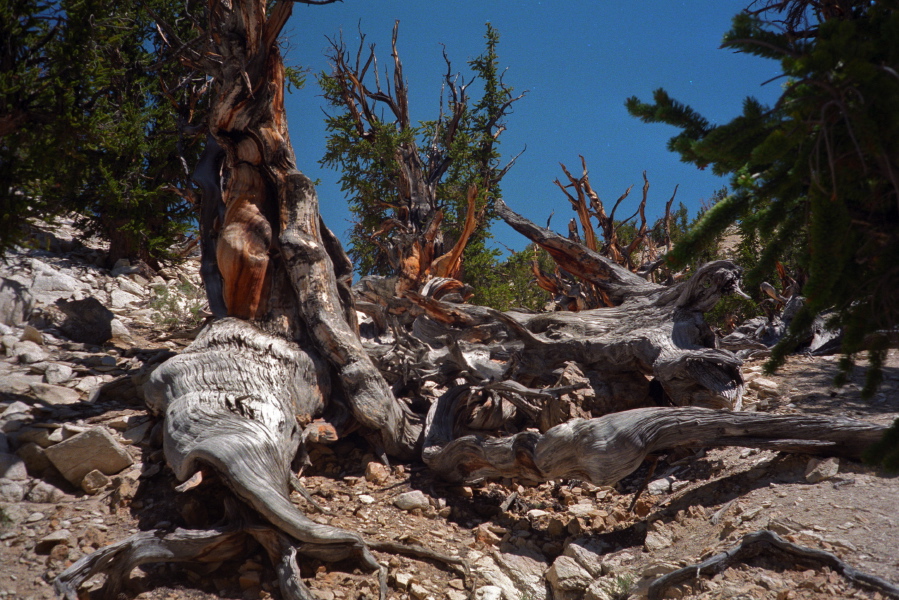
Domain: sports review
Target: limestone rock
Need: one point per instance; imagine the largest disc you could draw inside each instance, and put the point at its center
(821, 470)
(412, 500)
(568, 579)
(376, 473)
(584, 511)
(16, 302)
(87, 320)
(660, 486)
(403, 580)
(94, 482)
(126, 285)
(60, 536)
(765, 387)
(55, 394)
(36, 461)
(57, 373)
(27, 352)
(53, 281)
(12, 467)
(657, 540)
(418, 591)
(526, 567)
(588, 554)
(489, 592)
(11, 491)
(44, 493)
(122, 299)
(94, 449)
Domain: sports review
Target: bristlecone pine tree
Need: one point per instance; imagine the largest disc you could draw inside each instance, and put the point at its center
(97, 136)
(821, 165)
(284, 365)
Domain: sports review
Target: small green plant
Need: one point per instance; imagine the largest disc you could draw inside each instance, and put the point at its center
(179, 306)
(5, 521)
(620, 588)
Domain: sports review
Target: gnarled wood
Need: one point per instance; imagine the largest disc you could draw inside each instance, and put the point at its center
(605, 450)
(768, 543)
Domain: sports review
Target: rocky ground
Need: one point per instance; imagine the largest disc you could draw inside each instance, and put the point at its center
(81, 466)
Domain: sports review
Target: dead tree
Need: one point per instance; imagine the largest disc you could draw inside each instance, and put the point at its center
(243, 399)
(641, 254)
(411, 237)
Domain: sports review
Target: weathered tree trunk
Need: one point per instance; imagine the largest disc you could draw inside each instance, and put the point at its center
(243, 397)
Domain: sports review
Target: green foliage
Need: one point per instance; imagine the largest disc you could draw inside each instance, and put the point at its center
(511, 283)
(179, 306)
(813, 177)
(370, 169)
(91, 129)
(620, 588)
(886, 451)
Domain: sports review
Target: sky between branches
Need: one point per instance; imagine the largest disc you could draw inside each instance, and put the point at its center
(578, 61)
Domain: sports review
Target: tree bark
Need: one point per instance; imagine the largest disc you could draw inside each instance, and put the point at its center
(244, 397)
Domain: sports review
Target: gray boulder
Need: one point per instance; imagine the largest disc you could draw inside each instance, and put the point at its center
(16, 302)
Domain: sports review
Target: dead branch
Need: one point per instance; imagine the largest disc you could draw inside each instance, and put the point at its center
(769, 543)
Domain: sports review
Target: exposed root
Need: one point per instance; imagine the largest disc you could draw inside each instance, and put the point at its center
(118, 559)
(765, 541)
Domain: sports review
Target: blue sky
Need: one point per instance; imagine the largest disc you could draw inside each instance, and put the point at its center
(578, 62)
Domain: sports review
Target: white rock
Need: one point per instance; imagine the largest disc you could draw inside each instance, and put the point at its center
(526, 567)
(496, 577)
(54, 281)
(660, 486)
(122, 299)
(412, 500)
(55, 394)
(126, 285)
(489, 592)
(418, 591)
(27, 352)
(11, 491)
(85, 452)
(366, 499)
(765, 387)
(13, 468)
(536, 513)
(588, 553)
(657, 540)
(57, 373)
(403, 580)
(582, 510)
(821, 470)
(568, 579)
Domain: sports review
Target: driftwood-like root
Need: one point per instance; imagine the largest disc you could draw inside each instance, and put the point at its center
(233, 401)
(607, 449)
(117, 560)
(769, 543)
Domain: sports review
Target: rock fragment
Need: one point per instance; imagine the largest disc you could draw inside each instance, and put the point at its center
(412, 500)
(94, 482)
(568, 579)
(94, 449)
(821, 469)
